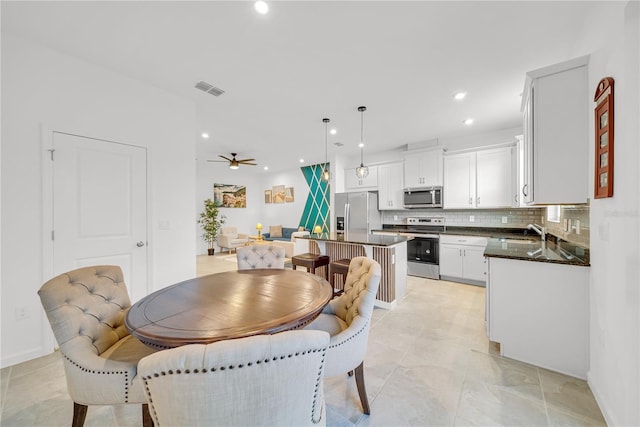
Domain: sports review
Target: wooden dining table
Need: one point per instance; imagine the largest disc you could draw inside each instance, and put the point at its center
(228, 305)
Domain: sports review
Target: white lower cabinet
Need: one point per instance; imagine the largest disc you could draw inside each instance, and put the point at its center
(539, 313)
(462, 259)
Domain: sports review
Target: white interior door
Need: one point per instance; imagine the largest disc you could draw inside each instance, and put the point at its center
(100, 207)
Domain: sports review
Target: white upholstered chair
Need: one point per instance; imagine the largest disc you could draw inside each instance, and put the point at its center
(347, 319)
(86, 309)
(263, 380)
(229, 238)
(260, 255)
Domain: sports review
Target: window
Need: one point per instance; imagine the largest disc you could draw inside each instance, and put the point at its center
(553, 213)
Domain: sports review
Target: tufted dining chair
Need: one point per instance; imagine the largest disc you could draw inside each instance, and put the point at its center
(260, 255)
(347, 319)
(86, 309)
(263, 380)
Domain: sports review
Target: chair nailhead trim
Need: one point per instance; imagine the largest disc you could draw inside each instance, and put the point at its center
(93, 371)
(314, 420)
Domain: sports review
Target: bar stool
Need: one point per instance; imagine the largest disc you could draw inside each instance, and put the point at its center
(311, 262)
(341, 267)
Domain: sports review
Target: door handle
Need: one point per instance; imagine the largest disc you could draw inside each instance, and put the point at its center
(524, 193)
(140, 244)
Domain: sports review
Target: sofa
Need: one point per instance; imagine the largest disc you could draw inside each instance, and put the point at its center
(286, 234)
(292, 243)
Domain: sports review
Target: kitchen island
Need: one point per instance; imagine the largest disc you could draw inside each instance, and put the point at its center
(389, 251)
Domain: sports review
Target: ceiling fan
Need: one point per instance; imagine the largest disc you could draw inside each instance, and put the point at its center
(235, 163)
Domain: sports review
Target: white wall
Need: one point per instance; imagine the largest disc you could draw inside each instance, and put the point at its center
(256, 181)
(44, 87)
(615, 256)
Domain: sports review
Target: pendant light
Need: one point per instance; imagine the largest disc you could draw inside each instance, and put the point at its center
(362, 171)
(326, 174)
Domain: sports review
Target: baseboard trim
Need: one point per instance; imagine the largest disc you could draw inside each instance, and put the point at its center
(22, 357)
(608, 418)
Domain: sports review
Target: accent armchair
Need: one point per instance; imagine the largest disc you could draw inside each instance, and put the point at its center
(230, 239)
(86, 309)
(263, 380)
(347, 319)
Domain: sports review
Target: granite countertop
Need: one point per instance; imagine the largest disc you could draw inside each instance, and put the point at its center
(497, 232)
(534, 249)
(358, 238)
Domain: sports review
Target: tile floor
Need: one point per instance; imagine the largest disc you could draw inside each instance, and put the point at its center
(428, 363)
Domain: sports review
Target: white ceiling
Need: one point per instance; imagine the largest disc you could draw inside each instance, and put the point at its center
(283, 72)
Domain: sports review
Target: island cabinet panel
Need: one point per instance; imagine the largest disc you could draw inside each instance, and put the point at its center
(539, 313)
(392, 260)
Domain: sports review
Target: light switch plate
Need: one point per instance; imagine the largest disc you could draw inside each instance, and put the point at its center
(505, 219)
(472, 218)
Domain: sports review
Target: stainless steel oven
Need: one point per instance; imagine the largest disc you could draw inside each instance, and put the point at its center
(423, 258)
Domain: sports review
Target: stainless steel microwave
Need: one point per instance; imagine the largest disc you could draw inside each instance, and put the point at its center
(416, 198)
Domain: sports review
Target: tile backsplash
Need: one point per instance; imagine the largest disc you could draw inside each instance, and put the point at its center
(573, 226)
(515, 218)
(576, 219)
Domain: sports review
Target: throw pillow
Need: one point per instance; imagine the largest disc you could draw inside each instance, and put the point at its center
(301, 228)
(275, 231)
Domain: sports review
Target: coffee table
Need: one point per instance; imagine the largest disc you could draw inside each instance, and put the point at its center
(228, 305)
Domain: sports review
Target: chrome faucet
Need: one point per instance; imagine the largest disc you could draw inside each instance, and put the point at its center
(538, 229)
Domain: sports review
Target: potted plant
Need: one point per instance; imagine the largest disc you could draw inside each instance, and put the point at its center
(211, 220)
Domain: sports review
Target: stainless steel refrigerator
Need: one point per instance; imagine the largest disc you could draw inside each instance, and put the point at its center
(357, 212)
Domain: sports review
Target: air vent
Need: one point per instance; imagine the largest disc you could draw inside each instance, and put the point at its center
(206, 87)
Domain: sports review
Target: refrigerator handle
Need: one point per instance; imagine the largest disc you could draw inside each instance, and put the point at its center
(346, 217)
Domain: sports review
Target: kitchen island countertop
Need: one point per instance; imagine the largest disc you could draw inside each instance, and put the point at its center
(358, 238)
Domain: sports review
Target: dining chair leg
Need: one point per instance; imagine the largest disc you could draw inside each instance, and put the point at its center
(79, 414)
(359, 374)
(147, 421)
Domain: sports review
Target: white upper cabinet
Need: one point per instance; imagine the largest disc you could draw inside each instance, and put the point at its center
(353, 183)
(555, 109)
(481, 179)
(423, 169)
(496, 177)
(390, 188)
(459, 181)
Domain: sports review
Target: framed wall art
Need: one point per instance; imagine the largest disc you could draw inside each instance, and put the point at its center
(278, 194)
(288, 195)
(267, 196)
(603, 173)
(230, 196)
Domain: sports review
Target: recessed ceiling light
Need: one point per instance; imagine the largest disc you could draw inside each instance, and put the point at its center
(301, 160)
(361, 145)
(205, 135)
(459, 96)
(468, 122)
(261, 7)
(266, 168)
(333, 131)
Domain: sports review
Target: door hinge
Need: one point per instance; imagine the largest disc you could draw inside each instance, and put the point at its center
(53, 235)
(51, 151)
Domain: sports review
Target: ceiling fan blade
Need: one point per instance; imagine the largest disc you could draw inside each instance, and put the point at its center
(251, 164)
(217, 161)
(246, 160)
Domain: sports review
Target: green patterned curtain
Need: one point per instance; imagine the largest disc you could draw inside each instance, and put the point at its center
(316, 210)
